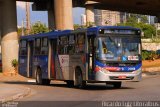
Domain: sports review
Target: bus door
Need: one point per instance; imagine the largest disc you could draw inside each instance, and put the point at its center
(53, 57)
(91, 54)
(30, 59)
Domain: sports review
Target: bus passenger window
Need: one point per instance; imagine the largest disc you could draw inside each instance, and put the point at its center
(44, 49)
(23, 47)
(71, 46)
(63, 45)
(80, 46)
(37, 46)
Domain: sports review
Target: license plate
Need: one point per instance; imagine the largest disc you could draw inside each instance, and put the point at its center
(122, 77)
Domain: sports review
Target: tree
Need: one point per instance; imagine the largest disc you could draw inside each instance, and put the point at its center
(144, 19)
(77, 26)
(38, 27)
(149, 30)
(20, 31)
(158, 32)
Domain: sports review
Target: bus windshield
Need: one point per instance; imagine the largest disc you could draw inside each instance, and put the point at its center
(118, 48)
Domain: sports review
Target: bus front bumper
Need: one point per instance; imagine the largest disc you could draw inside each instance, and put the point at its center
(118, 76)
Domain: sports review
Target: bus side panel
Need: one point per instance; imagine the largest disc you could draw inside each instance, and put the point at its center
(66, 64)
(42, 62)
(23, 65)
(77, 61)
(62, 67)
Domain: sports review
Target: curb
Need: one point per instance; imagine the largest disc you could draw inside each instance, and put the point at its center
(21, 95)
(144, 74)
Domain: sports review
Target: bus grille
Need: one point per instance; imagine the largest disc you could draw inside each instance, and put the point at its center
(117, 78)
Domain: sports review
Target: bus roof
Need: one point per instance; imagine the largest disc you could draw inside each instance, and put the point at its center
(112, 27)
(52, 34)
(95, 30)
(90, 31)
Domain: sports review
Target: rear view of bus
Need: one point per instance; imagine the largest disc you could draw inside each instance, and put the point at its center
(118, 55)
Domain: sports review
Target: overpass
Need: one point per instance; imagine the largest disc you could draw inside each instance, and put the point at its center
(60, 17)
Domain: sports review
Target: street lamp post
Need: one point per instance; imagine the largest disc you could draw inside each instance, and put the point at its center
(23, 27)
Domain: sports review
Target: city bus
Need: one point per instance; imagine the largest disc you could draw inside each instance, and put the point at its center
(104, 54)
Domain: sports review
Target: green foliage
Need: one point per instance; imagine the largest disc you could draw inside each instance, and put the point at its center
(88, 24)
(149, 30)
(38, 27)
(132, 19)
(158, 32)
(20, 31)
(149, 55)
(77, 26)
(144, 19)
(14, 63)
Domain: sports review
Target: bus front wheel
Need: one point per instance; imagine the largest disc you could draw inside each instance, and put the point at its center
(117, 84)
(70, 83)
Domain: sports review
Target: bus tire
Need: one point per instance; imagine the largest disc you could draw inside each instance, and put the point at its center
(38, 77)
(117, 84)
(39, 80)
(70, 83)
(79, 79)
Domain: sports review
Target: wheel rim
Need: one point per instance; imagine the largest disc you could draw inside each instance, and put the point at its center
(38, 77)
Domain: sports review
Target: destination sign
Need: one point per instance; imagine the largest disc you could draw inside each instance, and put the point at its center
(119, 31)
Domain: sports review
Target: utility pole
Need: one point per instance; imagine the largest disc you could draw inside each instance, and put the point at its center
(28, 27)
(22, 27)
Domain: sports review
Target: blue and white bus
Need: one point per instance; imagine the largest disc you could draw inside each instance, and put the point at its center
(109, 54)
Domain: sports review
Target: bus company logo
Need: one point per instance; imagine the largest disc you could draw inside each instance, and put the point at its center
(64, 60)
(124, 58)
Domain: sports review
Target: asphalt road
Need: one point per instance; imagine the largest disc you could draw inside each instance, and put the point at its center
(146, 90)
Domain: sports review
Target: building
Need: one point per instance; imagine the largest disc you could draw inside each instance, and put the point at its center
(151, 20)
(106, 17)
(83, 19)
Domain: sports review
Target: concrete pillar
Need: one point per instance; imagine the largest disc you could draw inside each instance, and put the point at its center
(51, 19)
(9, 35)
(63, 14)
(90, 15)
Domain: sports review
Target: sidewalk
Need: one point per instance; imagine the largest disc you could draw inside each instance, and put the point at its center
(151, 71)
(9, 91)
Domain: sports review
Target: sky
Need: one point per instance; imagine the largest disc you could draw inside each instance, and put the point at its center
(42, 15)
